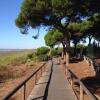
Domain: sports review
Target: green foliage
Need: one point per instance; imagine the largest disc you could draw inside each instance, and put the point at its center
(53, 37)
(41, 54)
(80, 49)
(42, 57)
(42, 50)
(56, 52)
(74, 27)
(53, 52)
(91, 26)
(86, 25)
(94, 50)
(80, 46)
(31, 55)
(35, 13)
(82, 19)
(44, 53)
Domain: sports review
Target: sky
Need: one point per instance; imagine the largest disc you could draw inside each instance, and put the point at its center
(10, 36)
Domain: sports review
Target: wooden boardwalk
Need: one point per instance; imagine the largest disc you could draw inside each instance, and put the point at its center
(52, 86)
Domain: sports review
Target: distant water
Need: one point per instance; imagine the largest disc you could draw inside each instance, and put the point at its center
(8, 50)
(5, 50)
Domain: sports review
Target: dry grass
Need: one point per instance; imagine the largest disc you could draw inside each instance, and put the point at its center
(11, 64)
(13, 58)
(23, 71)
(14, 68)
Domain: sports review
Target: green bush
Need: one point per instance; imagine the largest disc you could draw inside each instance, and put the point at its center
(41, 54)
(81, 49)
(42, 57)
(30, 56)
(60, 51)
(42, 50)
(93, 51)
(55, 52)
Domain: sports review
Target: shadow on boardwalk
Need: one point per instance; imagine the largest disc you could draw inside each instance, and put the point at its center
(44, 97)
(54, 86)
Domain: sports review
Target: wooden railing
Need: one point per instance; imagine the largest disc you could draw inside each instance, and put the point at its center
(83, 90)
(90, 61)
(23, 84)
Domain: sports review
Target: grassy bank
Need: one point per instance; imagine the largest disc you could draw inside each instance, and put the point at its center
(13, 58)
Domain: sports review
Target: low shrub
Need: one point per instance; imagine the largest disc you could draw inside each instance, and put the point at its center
(56, 52)
(80, 49)
(31, 55)
(42, 50)
(42, 57)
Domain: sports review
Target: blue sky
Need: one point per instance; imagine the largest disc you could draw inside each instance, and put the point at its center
(10, 36)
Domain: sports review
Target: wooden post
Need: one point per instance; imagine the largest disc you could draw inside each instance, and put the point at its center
(67, 59)
(64, 58)
(81, 93)
(71, 81)
(62, 54)
(35, 78)
(59, 60)
(25, 91)
(41, 71)
(44, 68)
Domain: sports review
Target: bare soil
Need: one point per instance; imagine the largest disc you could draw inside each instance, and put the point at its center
(97, 61)
(87, 75)
(82, 69)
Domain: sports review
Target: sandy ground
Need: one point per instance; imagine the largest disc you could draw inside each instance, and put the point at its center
(87, 75)
(82, 69)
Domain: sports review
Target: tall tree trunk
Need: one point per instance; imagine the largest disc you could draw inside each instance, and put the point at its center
(75, 44)
(64, 55)
(69, 43)
(67, 52)
(66, 46)
(64, 52)
(90, 49)
(67, 58)
(90, 38)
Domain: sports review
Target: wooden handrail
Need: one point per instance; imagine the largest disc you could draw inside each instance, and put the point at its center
(10, 94)
(82, 86)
